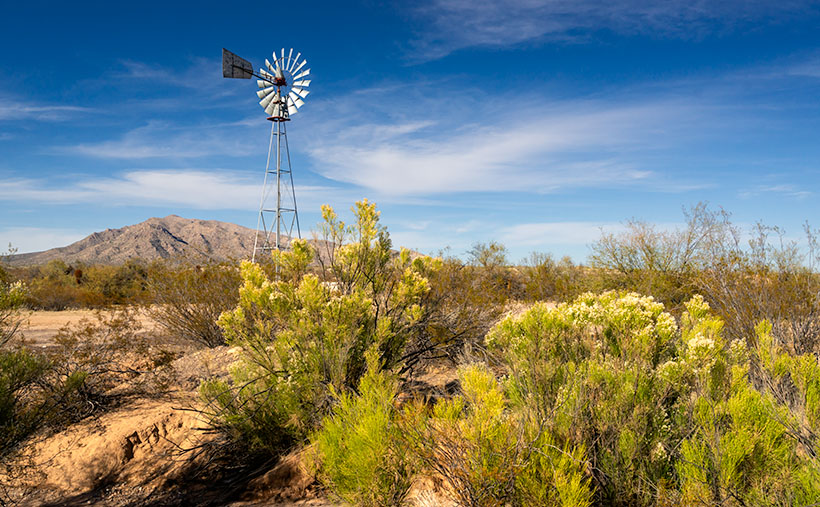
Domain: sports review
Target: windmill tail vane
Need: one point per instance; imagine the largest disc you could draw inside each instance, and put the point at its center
(283, 88)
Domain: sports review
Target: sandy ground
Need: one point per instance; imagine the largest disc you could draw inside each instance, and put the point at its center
(40, 327)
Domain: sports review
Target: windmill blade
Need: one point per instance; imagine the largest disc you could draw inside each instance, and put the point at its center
(265, 91)
(296, 69)
(290, 54)
(300, 92)
(295, 60)
(303, 74)
(292, 107)
(280, 73)
(235, 67)
(292, 97)
(270, 109)
(268, 99)
(283, 55)
(263, 83)
(302, 84)
(277, 110)
(267, 75)
(269, 66)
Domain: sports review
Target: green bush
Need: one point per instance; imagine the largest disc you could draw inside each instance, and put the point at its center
(359, 456)
(19, 372)
(12, 297)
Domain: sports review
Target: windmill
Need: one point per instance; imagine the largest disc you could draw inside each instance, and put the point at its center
(283, 88)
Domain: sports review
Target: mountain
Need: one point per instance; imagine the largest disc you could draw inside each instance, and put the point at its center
(155, 238)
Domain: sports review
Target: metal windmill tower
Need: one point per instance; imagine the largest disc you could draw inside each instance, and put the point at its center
(282, 90)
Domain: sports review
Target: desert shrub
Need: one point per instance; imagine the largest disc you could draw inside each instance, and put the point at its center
(188, 300)
(548, 280)
(764, 278)
(303, 335)
(589, 370)
(68, 381)
(738, 449)
(663, 414)
(491, 456)
(492, 271)
(768, 279)
(97, 354)
(662, 263)
(57, 285)
(12, 297)
(462, 310)
(794, 381)
(19, 372)
(359, 453)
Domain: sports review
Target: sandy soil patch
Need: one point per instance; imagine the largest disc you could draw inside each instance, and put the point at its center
(40, 327)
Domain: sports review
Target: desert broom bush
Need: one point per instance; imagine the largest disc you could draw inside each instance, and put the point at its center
(663, 414)
(303, 335)
(588, 371)
(490, 455)
(360, 456)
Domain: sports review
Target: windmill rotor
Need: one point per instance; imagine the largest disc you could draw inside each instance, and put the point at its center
(282, 88)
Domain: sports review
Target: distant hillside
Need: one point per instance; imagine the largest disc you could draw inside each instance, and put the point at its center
(155, 238)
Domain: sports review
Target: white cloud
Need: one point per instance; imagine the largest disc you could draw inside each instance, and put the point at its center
(184, 188)
(454, 24)
(533, 147)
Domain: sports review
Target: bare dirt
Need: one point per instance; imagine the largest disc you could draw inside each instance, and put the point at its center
(40, 327)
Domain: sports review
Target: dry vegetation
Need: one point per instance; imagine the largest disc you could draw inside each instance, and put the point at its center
(677, 368)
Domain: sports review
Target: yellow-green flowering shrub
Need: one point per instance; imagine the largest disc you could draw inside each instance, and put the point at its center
(492, 456)
(664, 414)
(303, 334)
(359, 453)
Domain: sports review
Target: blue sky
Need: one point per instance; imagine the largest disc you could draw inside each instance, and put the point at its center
(535, 123)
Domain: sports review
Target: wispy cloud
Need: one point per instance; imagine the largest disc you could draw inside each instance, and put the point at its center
(159, 139)
(11, 109)
(456, 24)
(185, 188)
(557, 233)
(783, 189)
(535, 146)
